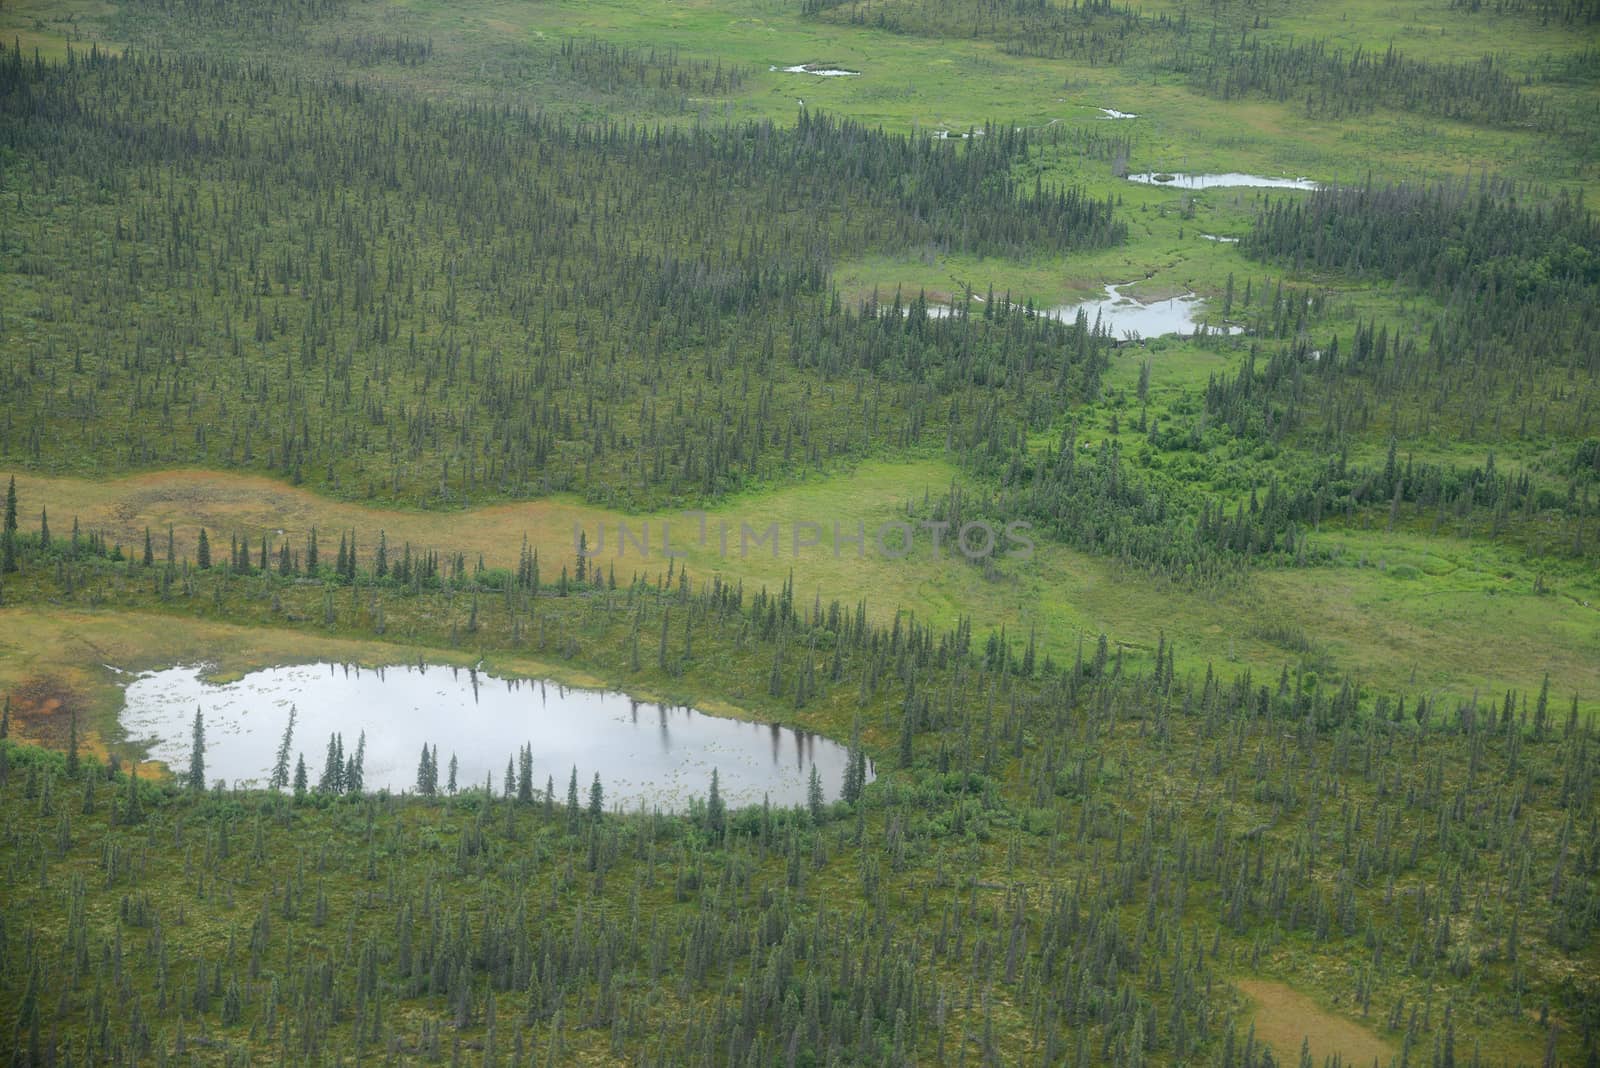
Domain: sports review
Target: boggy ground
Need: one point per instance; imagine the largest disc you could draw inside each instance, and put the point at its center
(1398, 611)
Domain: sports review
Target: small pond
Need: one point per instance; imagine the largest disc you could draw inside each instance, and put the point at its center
(650, 755)
(1123, 315)
(1209, 181)
(821, 70)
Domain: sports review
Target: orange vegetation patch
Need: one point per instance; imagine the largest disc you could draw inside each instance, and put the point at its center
(42, 708)
(1284, 1018)
(42, 711)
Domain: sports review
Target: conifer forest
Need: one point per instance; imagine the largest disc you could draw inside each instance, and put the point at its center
(800, 533)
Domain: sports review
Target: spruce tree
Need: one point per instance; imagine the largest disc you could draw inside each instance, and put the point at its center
(854, 769)
(525, 774)
(427, 774)
(197, 754)
(280, 766)
(130, 806)
(8, 535)
(716, 811)
(332, 768)
(815, 800)
(202, 552)
(354, 770)
(72, 746)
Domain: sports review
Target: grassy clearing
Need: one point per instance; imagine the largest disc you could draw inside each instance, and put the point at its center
(1283, 1018)
(1400, 611)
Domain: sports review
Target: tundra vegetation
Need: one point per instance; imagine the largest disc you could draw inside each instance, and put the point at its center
(325, 323)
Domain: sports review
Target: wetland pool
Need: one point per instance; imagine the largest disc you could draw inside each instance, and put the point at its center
(1214, 181)
(647, 754)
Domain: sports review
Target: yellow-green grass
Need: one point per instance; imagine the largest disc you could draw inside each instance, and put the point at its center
(1283, 1018)
(1400, 612)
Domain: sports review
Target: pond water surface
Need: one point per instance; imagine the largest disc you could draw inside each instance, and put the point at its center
(819, 69)
(1123, 315)
(1209, 181)
(650, 755)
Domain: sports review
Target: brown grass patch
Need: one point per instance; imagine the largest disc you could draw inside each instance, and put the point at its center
(42, 711)
(42, 708)
(1284, 1018)
(253, 505)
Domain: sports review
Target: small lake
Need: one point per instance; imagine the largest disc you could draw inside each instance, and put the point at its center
(650, 755)
(1175, 315)
(1123, 315)
(1209, 181)
(821, 70)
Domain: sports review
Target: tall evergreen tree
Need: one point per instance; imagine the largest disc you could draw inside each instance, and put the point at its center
(72, 746)
(597, 798)
(332, 780)
(427, 774)
(525, 774)
(196, 778)
(280, 767)
(354, 769)
(8, 534)
(716, 811)
(130, 807)
(815, 800)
